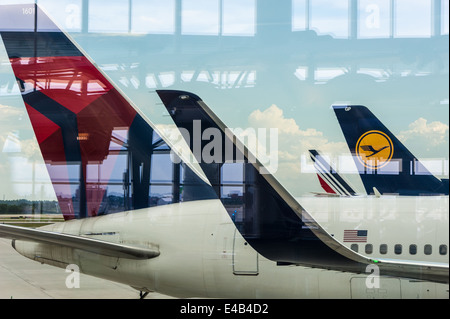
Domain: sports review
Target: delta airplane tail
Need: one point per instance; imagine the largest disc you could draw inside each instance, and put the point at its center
(97, 147)
(384, 163)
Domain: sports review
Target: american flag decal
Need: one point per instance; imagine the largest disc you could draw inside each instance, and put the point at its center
(355, 236)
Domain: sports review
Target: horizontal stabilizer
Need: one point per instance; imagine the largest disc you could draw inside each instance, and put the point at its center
(77, 242)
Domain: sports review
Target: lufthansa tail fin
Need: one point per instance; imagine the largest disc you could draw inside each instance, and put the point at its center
(98, 148)
(329, 179)
(383, 162)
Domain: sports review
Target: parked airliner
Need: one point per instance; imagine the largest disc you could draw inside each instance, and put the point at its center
(184, 233)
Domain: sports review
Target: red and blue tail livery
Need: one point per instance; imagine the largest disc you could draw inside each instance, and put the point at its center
(97, 148)
(331, 182)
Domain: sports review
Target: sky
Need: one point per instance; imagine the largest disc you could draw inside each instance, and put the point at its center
(287, 81)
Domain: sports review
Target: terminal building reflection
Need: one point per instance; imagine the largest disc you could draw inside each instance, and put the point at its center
(315, 47)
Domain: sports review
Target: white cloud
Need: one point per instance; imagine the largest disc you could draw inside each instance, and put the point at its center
(7, 111)
(291, 136)
(430, 134)
(293, 146)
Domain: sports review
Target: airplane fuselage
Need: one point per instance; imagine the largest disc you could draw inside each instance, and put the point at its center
(204, 255)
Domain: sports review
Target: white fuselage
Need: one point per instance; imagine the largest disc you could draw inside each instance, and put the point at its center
(389, 221)
(203, 255)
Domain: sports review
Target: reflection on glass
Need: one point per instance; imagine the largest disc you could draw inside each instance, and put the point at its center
(239, 17)
(102, 12)
(330, 17)
(200, 17)
(302, 74)
(153, 16)
(232, 173)
(162, 168)
(67, 13)
(101, 155)
(300, 15)
(374, 18)
(413, 18)
(160, 195)
(445, 17)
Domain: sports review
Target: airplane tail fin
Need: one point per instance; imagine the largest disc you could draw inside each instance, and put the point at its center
(269, 218)
(329, 179)
(98, 149)
(383, 161)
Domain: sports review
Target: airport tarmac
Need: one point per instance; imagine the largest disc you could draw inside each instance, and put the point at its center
(22, 278)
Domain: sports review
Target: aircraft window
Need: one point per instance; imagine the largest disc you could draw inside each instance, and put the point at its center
(354, 247)
(443, 249)
(398, 249)
(428, 249)
(369, 248)
(413, 249)
(383, 249)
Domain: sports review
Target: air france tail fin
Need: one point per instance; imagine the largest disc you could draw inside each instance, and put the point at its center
(384, 163)
(329, 179)
(98, 149)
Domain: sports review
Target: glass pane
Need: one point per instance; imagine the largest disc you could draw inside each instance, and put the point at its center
(413, 18)
(299, 15)
(444, 17)
(232, 173)
(102, 12)
(239, 17)
(374, 18)
(153, 16)
(330, 17)
(162, 168)
(67, 13)
(200, 17)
